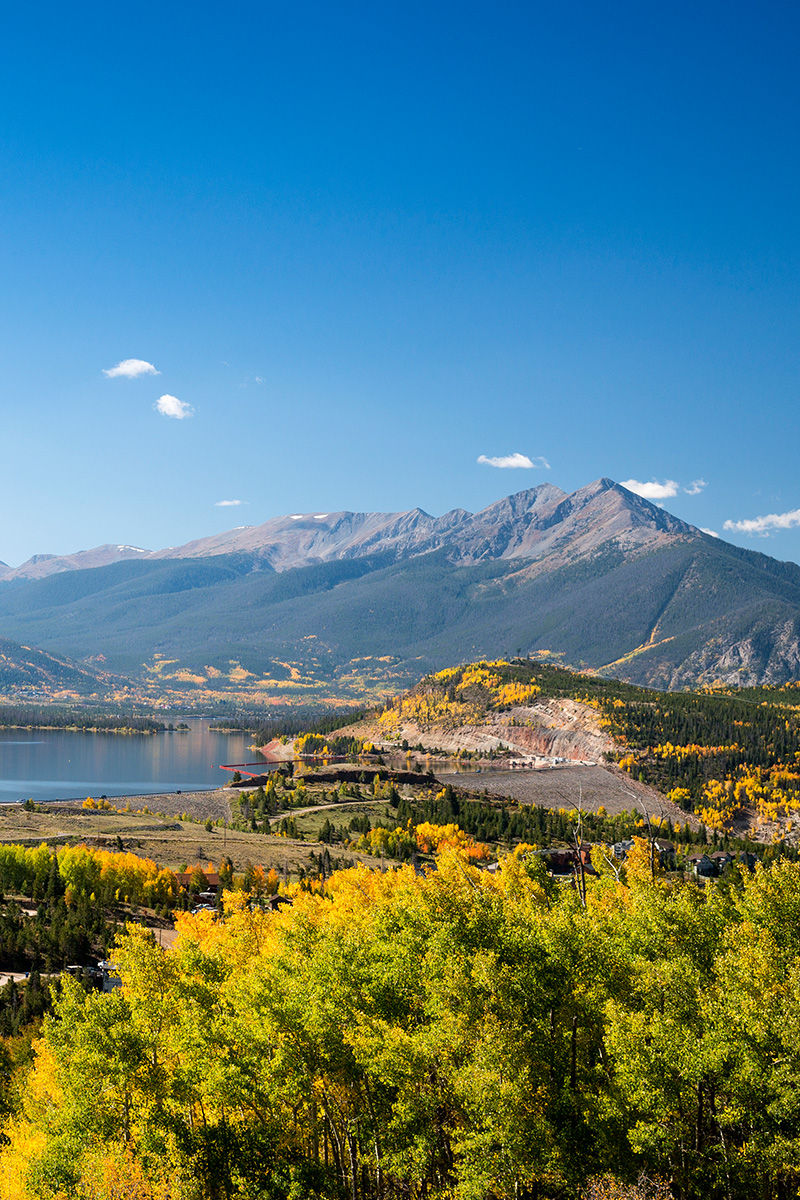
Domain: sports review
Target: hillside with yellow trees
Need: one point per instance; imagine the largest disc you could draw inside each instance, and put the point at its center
(730, 756)
(506, 1007)
(486, 707)
(453, 1035)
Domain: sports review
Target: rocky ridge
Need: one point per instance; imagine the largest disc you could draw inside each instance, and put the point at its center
(359, 604)
(532, 525)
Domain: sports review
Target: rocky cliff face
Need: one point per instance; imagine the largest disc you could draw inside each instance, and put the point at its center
(560, 728)
(765, 656)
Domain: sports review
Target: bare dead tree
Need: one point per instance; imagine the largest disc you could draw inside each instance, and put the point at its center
(577, 837)
(651, 835)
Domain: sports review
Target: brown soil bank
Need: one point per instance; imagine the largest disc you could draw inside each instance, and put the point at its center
(566, 787)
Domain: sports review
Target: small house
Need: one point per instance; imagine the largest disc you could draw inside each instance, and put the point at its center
(701, 866)
(210, 886)
(666, 853)
(564, 860)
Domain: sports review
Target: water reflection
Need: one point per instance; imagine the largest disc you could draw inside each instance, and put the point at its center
(62, 764)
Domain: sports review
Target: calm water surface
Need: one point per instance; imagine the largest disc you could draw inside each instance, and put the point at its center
(49, 764)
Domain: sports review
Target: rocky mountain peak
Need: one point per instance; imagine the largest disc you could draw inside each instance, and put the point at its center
(530, 524)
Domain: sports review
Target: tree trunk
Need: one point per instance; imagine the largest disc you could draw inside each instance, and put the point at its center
(351, 1144)
(573, 1068)
(698, 1133)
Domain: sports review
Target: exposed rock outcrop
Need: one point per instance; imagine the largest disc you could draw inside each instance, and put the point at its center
(552, 728)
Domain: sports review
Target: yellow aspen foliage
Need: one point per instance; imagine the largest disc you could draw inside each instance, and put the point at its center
(642, 864)
(431, 838)
(335, 1047)
(26, 1142)
(516, 694)
(26, 1135)
(721, 801)
(446, 675)
(460, 696)
(117, 1174)
(113, 875)
(691, 750)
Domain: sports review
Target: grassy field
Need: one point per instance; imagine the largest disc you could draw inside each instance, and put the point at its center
(170, 841)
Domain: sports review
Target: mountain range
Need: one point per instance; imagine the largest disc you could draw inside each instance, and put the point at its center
(531, 524)
(366, 602)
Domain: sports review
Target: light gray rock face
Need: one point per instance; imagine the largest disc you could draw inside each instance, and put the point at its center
(531, 525)
(41, 565)
(771, 655)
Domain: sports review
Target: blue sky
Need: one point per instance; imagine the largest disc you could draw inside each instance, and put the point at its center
(367, 245)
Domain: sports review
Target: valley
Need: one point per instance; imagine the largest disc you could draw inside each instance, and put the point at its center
(517, 881)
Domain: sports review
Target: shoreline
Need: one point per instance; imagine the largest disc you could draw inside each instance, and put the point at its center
(91, 728)
(188, 793)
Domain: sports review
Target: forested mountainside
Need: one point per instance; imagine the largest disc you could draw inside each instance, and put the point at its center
(353, 606)
(24, 668)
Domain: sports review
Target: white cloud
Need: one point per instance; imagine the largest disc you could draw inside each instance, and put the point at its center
(710, 532)
(696, 487)
(515, 460)
(765, 525)
(131, 368)
(171, 406)
(652, 490)
(229, 503)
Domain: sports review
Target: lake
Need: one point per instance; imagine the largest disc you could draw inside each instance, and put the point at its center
(56, 764)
